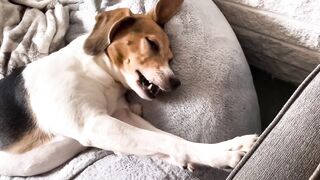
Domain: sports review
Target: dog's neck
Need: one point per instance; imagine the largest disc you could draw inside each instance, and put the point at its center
(106, 64)
(101, 60)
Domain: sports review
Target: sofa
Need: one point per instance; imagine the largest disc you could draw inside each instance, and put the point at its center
(289, 148)
(280, 37)
(217, 100)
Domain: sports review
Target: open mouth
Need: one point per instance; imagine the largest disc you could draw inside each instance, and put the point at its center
(150, 89)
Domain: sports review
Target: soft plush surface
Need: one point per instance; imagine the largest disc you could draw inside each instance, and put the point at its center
(289, 148)
(216, 101)
(27, 34)
(280, 37)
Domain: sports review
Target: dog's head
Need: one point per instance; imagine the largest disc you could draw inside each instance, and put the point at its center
(137, 46)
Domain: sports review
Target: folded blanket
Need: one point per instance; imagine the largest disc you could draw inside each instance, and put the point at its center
(216, 101)
(27, 34)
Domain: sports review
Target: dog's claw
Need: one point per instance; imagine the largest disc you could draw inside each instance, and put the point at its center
(240, 146)
(236, 157)
(244, 143)
(191, 167)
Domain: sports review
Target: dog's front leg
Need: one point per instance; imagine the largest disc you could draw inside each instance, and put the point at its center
(112, 134)
(231, 150)
(128, 116)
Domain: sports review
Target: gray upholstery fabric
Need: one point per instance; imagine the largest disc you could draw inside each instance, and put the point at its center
(290, 146)
(288, 29)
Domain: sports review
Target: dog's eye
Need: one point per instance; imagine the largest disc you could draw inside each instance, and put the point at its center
(153, 45)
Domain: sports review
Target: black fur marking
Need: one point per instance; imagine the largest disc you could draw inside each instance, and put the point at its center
(15, 115)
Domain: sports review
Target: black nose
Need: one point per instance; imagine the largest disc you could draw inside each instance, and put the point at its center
(174, 82)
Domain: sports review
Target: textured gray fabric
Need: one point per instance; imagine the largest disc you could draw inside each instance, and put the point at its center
(280, 37)
(290, 147)
(216, 102)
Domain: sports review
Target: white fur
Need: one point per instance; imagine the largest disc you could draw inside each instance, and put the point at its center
(71, 83)
(40, 159)
(78, 96)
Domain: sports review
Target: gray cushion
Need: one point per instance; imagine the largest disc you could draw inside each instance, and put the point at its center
(290, 147)
(216, 101)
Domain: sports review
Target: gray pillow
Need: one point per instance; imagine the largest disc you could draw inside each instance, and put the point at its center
(217, 100)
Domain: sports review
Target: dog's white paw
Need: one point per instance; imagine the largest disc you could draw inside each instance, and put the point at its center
(227, 155)
(180, 162)
(184, 165)
(189, 166)
(136, 108)
(226, 160)
(239, 147)
(234, 158)
(243, 143)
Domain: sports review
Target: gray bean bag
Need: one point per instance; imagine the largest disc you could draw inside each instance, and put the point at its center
(217, 100)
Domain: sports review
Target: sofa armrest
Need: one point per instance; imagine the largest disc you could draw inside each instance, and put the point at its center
(290, 147)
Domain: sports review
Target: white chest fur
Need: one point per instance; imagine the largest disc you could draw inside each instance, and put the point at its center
(64, 89)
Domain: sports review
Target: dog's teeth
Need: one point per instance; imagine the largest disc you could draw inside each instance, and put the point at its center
(150, 86)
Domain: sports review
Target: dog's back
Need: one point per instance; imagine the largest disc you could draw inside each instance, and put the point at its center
(15, 119)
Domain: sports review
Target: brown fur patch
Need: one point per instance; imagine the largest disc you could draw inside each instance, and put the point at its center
(120, 57)
(100, 37)
(164, 10)
(138, 52)
(32, 139)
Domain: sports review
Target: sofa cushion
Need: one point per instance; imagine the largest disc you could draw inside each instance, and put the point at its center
(289, 148)
(280, 37)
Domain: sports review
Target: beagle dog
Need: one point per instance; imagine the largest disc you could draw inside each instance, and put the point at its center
(74, 98)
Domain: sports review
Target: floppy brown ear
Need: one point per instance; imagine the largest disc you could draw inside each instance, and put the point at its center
(106, 24)
(164, 10)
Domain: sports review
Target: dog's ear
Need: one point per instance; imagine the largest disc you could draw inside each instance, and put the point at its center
(107, 23)
(164, 10)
